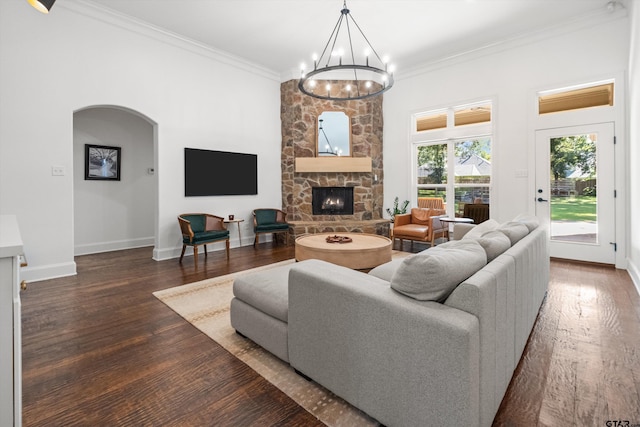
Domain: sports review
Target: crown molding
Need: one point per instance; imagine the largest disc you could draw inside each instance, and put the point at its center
(576, 24)
(94, 11)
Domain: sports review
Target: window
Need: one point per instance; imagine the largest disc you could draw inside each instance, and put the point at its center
(454, 162)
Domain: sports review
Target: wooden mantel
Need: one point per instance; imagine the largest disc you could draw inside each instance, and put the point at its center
(333, 164)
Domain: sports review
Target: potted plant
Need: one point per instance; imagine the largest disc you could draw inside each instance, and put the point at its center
(397, 209)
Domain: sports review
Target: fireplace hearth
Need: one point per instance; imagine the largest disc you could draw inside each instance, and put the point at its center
(332, 200)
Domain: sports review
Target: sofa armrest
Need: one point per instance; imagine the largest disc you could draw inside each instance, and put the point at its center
(400, 360)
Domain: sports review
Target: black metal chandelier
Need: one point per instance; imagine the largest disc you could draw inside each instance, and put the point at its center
(336, 74)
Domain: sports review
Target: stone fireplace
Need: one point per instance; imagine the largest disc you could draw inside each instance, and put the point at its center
(298, 116)
(332, 200)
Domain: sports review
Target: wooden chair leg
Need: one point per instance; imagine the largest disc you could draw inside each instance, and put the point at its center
(227, 245)
(255, 240)
(182, 254)
(195, 255)
(205, 251)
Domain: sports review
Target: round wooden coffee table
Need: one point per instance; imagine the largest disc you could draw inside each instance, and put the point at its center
(365, 251)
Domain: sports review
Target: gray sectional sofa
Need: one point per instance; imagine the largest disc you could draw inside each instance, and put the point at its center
(431, 339)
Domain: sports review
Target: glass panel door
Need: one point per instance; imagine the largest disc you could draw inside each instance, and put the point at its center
(575, 191)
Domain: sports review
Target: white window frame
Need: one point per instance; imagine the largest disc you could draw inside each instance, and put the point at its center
(449, 136)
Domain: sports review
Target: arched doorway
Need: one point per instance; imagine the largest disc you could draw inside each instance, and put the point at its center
(118, 211)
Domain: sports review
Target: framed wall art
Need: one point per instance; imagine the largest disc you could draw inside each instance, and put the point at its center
(102, 162)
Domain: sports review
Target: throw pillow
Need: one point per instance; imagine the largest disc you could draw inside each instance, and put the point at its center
(529, 220)
(480, 229)
(433, 274)
(494, 243)
(514, 231)
(420, 216)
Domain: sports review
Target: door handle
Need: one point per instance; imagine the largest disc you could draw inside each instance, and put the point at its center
(540, 199)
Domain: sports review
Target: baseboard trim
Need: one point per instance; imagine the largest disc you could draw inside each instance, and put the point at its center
(46, 272)
(634, 273)
(171, 253)
(116, 245)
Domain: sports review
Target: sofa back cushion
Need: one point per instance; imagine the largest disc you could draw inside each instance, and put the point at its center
(514, 231)
(434, 273)
(480, 229)
(529, 220)
(494, 243)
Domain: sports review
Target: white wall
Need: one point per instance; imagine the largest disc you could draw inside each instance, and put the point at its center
(634, 144)
(113, 215)
(510, 75)
(53, 65)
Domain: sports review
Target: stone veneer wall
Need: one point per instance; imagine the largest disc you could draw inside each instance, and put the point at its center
(298, 115)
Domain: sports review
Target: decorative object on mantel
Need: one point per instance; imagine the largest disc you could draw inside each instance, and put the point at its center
(339, 239)
(345, 79)
(397, 210)
(43, 6)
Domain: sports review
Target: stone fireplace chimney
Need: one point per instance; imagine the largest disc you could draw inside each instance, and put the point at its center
(298, 115)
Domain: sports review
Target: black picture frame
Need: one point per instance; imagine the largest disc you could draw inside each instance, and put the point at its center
(102, 162)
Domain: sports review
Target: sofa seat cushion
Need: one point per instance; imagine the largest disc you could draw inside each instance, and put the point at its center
(514, 231)
(267, 291)
(494, 244)
(411, 231)
(433, 274)
(207, 236)
(387, 270)
(272, 226)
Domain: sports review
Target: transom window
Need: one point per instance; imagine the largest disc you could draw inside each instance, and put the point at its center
(576, 98)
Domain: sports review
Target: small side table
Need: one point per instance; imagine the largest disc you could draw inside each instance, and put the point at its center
(236, 221)
(455, 220)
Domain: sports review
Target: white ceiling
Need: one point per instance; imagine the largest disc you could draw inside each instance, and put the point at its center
(280, 34)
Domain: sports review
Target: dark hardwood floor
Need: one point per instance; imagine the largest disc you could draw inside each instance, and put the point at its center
(99, 349)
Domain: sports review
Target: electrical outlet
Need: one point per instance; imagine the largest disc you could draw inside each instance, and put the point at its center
(57, 170)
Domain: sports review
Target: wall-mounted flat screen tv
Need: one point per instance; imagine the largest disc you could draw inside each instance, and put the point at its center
(219, 173)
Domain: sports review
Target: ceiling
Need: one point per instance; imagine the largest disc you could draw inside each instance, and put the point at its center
(280, 34)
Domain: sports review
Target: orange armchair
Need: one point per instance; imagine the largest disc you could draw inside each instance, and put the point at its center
(422, 225)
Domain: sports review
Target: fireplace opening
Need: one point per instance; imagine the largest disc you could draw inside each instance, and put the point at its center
(332, 200)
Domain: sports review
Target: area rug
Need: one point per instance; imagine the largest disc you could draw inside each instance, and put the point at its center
(205, 305)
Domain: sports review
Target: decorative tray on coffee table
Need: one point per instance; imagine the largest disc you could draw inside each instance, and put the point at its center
(339, 239)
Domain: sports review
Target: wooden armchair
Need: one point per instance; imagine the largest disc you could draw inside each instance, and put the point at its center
(271, 221)
(479, 212)
(200, 229)
(422, 225)
(435, 203)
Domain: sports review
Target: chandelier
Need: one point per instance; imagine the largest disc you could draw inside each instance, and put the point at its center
(336, 74)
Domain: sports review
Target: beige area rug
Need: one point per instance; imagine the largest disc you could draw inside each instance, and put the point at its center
(205, 305)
